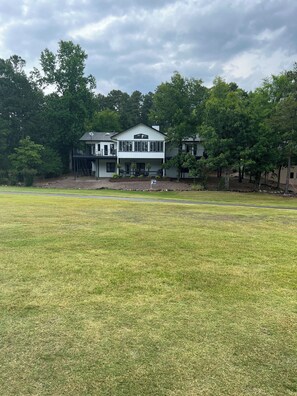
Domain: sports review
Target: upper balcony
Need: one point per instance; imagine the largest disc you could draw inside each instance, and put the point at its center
(92, 154)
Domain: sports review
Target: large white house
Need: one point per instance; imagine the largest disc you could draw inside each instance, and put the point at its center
(140, 150)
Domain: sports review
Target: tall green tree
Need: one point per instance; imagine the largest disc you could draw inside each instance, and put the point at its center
(4, 132)
(26, 159)
(105, 121)
(177, 109)
(226, 127)
(118, 101)
(72, 103)
(284, 124)
(147, 104)
(21, 103)
(281, 92)
(262, 154)
(134, 108)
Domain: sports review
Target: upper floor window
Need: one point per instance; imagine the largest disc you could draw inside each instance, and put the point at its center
(191, 148)
(141, 146)
(126, 145)
(140, 136)
(156, 146)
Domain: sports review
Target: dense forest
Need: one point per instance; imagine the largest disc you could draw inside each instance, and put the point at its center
(44, 113)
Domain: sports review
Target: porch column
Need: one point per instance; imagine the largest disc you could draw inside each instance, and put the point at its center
(164, 170)
(118, 166)
(97, 169)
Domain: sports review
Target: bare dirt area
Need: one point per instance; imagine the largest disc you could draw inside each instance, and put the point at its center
(89, 183)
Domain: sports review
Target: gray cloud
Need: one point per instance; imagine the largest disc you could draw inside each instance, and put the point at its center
(137, 44)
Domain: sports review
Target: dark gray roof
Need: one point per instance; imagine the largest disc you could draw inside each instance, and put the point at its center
(97, 136)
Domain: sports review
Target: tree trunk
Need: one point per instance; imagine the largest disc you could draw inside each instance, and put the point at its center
(288, 175)
(179, 164)
(278, 176)
(71, 168)
(239, 174)
(227, 179)
(258, 180)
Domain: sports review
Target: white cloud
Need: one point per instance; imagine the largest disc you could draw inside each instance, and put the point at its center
(270, 35)
(251, 67)
(94, 30)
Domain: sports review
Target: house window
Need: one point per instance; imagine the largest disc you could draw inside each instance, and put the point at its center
(141, 136)
(110, 167)
(141, 146)
(291, 175)
(126, 145)
(112, 149)
(156, 146)
(191, 148)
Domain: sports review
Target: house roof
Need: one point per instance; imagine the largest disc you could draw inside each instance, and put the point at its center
(111, 136)
(195, 138)
(97, 136)
(135, 126)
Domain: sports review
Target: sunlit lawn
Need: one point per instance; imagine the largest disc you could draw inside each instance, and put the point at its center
(201, 196)
(104, 297)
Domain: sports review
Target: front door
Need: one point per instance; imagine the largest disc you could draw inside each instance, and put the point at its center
(140, 168)
(127, 168)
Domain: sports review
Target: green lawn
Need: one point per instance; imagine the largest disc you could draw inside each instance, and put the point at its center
(104, 297)
(261, 199)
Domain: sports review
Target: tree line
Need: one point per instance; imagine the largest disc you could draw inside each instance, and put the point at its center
(44, 113)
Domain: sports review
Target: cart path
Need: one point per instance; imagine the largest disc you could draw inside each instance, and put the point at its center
(148, 200)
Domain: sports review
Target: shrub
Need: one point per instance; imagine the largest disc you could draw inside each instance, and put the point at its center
(197, 187)
(51, 165)
(116, 176)
(28, 176)
(13, 177)
(3, 177)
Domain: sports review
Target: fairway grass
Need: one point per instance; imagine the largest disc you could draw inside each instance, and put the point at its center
(102, 297)
(258, 199)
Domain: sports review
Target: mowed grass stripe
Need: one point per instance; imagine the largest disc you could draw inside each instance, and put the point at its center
(127, 298)
(257, 199)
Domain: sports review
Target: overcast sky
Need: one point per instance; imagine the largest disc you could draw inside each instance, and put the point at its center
(137, 44)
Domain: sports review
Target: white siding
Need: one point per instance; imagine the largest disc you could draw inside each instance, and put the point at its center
(129, 134)
(101, 172)
(141, 155)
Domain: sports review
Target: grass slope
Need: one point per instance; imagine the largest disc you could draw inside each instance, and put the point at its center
(261, 199)
(125, 298)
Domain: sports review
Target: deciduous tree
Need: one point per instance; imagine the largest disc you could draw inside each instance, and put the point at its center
(71, 104)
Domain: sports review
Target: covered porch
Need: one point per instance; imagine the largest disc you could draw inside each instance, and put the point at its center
(140, 167)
